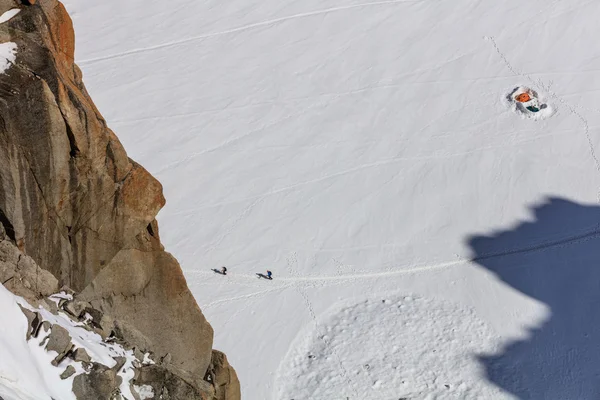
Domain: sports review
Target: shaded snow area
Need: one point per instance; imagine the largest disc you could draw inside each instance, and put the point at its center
(369, 151)
(26, 370)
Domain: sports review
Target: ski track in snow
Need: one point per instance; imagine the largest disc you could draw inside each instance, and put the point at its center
(246, 135)
(247, 27)
(353, 170)
(296, 281)
(334, 95)
(277, 288)
(237, 139)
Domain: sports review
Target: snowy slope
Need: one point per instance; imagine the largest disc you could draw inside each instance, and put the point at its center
(26, 372)
(364, 151)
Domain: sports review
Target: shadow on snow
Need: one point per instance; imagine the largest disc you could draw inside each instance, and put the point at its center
(558, 264)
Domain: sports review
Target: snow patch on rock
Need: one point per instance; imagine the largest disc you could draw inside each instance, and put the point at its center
(144, 391)
(26, 370)
(7, 16)
(25, 367)
(8, 54)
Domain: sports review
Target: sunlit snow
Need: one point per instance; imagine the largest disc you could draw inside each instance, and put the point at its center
(365, 151)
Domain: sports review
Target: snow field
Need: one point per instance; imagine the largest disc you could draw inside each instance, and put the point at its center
(353, 148)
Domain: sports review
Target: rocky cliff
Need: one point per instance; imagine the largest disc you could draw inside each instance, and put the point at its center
(72, 201)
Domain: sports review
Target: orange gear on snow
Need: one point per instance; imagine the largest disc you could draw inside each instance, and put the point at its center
(523, 98)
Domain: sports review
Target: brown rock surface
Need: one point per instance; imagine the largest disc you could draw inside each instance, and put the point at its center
(225, 380)
(68, 372)
(81, 355)
(171, 387)
(98, 384)
(22, 276)
(72, 201)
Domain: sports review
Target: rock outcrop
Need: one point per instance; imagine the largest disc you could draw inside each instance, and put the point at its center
(75, 205)
(21, 275)
(223, 377)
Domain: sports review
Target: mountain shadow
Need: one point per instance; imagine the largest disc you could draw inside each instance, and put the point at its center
(554, 258)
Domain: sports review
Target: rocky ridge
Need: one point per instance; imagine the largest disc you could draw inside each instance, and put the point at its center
(78, 214)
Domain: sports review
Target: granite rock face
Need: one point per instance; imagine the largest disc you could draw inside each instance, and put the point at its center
(74, 204)
(223, 377)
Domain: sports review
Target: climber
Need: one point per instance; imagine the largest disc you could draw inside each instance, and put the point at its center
(269, 275)
(224, 270)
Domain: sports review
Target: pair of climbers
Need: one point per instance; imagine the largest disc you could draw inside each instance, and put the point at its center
(269, 275)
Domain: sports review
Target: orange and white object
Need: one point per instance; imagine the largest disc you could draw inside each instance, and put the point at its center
(523, 98)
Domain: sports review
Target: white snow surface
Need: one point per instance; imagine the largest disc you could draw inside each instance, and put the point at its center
(144, 391)
(363, 151)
